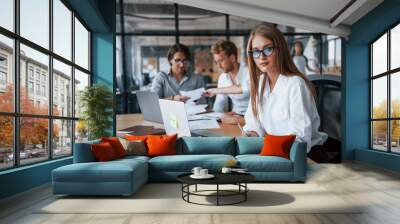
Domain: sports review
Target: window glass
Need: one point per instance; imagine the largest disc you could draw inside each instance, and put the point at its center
(81, 45)
(395, 136)
(62, 138)
(202, 59)
(6, 74)
(6, 142)
(81, 131)
(7, 14)
(81, 82)
(379, 56)
(30, 58)
(191, 18)
(395, 47)
(62, 89)
(379, 98)
(395, 95)
(62, 29)
(155, 15)
(34, 21)
(147, 56)
(34, 144)
(379, 135)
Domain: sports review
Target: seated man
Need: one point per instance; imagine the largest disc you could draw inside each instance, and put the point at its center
(232, 83)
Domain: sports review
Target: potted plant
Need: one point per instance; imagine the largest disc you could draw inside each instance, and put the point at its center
(96, 102)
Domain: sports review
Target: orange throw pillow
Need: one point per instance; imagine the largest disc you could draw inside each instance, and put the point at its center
(277, 145)
(103, 152)
(116, 145)
(161, 145)
(136, 137)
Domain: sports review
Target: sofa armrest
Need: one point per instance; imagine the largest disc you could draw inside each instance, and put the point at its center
(83, 152)
(298, 155)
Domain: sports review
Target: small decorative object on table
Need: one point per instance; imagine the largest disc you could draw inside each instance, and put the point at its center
(230, 166)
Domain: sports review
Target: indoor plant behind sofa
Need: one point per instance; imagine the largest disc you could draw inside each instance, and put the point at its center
(125, 176)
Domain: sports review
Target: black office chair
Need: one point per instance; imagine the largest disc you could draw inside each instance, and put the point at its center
(328, 88)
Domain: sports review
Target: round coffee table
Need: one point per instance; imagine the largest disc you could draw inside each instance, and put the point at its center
(238, 179)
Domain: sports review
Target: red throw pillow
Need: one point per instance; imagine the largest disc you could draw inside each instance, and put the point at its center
(116, 145)
(159, 145)
(277, 145)
(103, 152)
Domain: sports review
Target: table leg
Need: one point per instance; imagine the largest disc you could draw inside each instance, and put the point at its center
(217, 194)
(245, 191)
(196, 188)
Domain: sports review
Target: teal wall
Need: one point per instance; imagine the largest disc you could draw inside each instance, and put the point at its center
(102, 64)
(356, 85)
(99, 16)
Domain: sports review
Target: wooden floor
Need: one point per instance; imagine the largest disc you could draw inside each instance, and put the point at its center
(377, 188)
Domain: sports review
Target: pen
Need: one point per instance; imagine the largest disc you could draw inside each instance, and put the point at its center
(241, 129)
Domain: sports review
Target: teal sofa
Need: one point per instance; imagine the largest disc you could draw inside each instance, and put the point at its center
(125, 176)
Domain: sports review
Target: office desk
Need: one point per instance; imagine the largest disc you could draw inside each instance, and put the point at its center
(129, 120)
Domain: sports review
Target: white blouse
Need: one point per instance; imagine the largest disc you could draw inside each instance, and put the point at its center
(289, 109)
(239, 101)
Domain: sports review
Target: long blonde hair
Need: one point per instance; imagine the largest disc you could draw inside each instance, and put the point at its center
(284, 61)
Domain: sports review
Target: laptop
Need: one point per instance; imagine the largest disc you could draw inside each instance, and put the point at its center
(175, 120)
(148, 103)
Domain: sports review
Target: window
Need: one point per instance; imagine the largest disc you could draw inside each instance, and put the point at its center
(37, 89)
(81, 45)
(3, 78)
(44, 91)
(34, 21)
(385, 94)
(7, 14)
(45, 131)
(30, 87)
(6, 73)
(30, 72)
(62, 29)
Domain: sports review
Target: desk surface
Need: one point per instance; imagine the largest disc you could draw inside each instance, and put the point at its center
(129, 120)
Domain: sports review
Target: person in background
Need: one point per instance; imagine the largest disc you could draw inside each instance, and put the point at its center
(300, 60)
(232, 83)
(281, 97)
(167, 86)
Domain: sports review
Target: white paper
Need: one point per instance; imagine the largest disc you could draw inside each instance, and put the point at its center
(193, 94)
(209, 116)
(192, 108)
(203, 124)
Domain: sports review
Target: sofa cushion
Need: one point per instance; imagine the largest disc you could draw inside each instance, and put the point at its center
(112, 171)
(185, 163)
(209, 145)
(275, 145)
(257, 163)
(161, 145)
(116, 145)
(83, 152)
(249, 145)
(103, 152)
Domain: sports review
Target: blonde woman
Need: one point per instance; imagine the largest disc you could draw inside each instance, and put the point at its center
(281, 97)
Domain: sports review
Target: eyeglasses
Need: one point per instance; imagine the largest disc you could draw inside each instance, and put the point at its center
(179, 61)
(266, 51)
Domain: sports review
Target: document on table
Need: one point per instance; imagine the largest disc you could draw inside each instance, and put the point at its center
(211, 116)
(192, 108)
(203, 124)
(193, 94)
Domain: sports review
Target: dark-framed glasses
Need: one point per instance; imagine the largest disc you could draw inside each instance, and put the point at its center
(266, 51)
(179, 61)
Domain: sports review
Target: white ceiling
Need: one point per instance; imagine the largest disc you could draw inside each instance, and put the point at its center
(313, 15)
